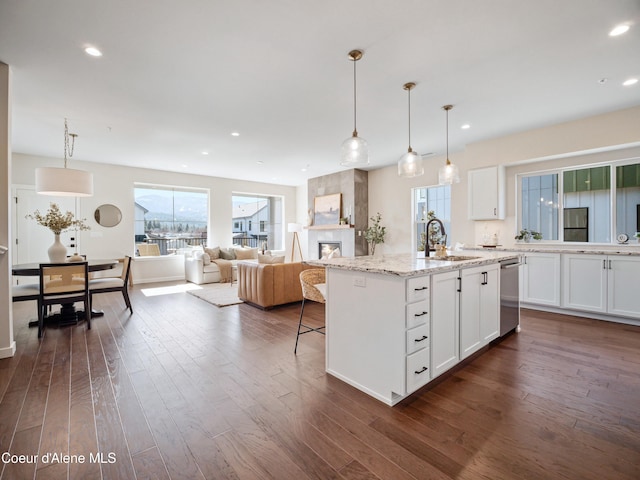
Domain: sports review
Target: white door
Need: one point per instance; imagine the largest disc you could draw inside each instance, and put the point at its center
(584, 282)
(31, 240)
(445, 317)
(470, 310)
(624, 280)
(541, 279)
(490, 304)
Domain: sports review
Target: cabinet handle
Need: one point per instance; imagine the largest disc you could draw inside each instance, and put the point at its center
(459, 284)
(420, 314)
(424, 337)
(422, 370)
(495, 211)
(609, 264)
(420, 289)
(485, 279)
(604, 264)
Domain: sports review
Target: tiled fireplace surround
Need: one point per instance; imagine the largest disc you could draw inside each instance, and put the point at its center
(353, 185)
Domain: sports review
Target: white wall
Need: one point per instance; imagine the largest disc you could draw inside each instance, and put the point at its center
(610, 136)
(114, 184)
(7, 343)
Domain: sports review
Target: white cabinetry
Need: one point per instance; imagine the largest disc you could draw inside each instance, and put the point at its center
(602, 284)
(417, 333)
(479, 308)
(487, 193)
(445, 314)
(541, 279)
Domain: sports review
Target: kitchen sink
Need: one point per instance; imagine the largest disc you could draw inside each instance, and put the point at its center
(453, 258)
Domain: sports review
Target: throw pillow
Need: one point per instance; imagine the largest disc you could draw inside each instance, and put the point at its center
(228, 253)
(206, 259)
(246, 253)
(270, 259)
(214, 253)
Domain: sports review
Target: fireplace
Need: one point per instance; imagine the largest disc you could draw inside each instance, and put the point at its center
(326, 248)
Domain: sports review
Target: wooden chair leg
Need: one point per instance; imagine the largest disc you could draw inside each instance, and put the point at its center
(127, 302)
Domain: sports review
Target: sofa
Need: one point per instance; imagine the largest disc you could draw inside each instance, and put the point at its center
(200, 266)
(268, 285)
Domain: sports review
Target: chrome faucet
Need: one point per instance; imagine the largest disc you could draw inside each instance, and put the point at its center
(431, 247)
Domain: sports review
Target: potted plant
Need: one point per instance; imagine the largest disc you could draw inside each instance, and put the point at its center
(375, 233)
(637, 235)
(526, 235)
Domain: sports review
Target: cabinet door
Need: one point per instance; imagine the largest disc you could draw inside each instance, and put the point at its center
(479, 308)
(584, 282)
(486, 193)
(470, 339)
(490, 305)
(623, 281)
(541, 279)
(445, 310)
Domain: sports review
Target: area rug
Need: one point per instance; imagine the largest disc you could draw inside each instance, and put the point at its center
(218, 294)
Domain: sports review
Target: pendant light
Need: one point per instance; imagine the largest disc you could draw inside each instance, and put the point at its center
(355, 151)
(448, 173)
(64, 182)
(410, 164)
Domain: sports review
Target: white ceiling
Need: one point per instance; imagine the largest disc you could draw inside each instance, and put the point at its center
(177, 78)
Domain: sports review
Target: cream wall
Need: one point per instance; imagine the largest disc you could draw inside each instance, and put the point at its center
(114, 184)
(611, 136)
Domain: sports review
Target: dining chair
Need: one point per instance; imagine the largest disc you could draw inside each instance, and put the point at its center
(63, 284)
(314, 288)
(114, 284)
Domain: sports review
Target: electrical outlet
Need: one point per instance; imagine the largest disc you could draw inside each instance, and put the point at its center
(359, 281)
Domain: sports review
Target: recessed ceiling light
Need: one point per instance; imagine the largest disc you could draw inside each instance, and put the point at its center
(185, 166)
(631, 81)
(260, 162)
(466, 126)
(603, 80)
(619, 30)
(235, 134)
(93, 51)
(204, 153)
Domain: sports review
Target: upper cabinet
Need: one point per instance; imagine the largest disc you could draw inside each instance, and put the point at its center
(487, 193)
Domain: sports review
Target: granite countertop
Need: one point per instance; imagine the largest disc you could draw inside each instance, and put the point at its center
(408, 265)
(535, 247)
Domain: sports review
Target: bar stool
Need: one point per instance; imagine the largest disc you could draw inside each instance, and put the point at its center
(314, 288)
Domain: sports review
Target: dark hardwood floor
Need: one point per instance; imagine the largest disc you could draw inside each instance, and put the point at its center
(185, 390)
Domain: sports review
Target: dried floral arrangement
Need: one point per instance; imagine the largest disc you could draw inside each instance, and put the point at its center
(58, 222)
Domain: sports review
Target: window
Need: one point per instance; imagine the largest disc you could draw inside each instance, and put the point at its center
(590, 198)
(262, 215)
(428, 203)
(171, 217)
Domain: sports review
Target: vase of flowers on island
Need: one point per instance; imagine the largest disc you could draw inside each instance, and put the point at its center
(58, 222)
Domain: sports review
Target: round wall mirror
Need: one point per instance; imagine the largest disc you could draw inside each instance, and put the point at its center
(108, 215)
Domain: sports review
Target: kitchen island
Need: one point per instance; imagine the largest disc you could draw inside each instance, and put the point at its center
(396, 322)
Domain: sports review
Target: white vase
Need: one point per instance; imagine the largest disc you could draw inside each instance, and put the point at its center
(57, 252)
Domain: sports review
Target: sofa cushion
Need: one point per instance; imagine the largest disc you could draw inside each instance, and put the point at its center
(246, 253)
(270, 259)
(214, 253)
(228, 253)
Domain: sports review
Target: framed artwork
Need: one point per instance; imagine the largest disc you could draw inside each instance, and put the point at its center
(327, 209)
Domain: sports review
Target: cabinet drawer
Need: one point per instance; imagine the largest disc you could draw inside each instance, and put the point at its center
(418, 371)
(417, 313)
(418, 288)
(417, 338)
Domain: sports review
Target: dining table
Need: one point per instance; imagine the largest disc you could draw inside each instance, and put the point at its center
(68, 314)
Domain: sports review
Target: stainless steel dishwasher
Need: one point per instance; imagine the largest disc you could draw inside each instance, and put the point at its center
(509, 295)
